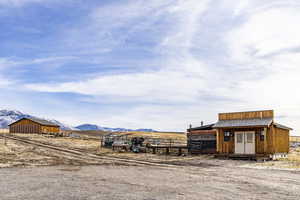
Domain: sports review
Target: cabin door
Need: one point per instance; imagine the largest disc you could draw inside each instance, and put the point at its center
(244, 142)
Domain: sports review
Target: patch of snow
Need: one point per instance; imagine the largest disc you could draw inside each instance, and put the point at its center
(9, 116)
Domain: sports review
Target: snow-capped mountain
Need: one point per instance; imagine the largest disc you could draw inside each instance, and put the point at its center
(93, 127)
(62, 125)
(9, 116)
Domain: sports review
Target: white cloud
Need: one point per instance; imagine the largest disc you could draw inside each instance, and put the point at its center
(18, 2)
(268, 44)
(13, 62)
(155, 86)
(260, 72)
(182, 77)
(266, 32)
(4, 82)
(4, 64)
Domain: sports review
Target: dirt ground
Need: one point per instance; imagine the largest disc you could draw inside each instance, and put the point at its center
(147, 183)
(29, 172)
(17, 154)
(13, 154)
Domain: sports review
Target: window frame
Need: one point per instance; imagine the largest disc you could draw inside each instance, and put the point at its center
(261, 136)
(227, 136)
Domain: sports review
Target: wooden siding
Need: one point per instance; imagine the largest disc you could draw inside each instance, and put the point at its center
(201, 141)
(194, 132)
(247, 115)
(228, 147)
(259, 143)
(25, 126)
(281, 140)
(50, 129)
(225, 147)
(276, 140)
(28, 126)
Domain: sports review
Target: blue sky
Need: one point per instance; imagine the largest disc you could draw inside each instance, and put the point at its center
(151, 64)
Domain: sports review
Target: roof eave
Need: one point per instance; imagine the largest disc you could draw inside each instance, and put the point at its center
(52, 125)
(256, 126)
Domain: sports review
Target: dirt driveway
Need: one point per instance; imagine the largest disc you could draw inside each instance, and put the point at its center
(147, 183)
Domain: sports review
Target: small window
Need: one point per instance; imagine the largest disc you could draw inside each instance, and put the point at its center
(249, 137)
(261, 136)
(239, 138)
(227, 135)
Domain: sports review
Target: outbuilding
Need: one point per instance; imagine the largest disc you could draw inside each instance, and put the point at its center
(201, 139)
(251, 134)
(33, 125)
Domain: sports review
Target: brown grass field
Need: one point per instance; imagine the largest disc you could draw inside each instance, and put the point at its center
(13, 153)
(176, 137)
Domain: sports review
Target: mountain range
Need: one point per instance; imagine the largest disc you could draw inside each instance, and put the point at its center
(93, 127)
(9, 116)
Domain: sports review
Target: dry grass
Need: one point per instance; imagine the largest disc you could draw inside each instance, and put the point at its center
(84, 144)
(294, 138)
(163, 135)
(291, 162)
(92, 145)
(17, 154)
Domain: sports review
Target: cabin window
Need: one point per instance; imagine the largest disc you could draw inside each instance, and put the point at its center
(249, 138)
(239, 138)
(262, 136)
(227, 135)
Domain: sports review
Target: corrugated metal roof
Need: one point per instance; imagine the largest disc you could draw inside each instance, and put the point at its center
(42, 121)
(282, 126)
(39, 121)
(243, 123)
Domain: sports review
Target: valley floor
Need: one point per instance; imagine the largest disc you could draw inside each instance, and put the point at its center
(145, 183)
(33, 173)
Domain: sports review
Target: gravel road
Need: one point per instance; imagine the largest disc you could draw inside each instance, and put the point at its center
(147, 183)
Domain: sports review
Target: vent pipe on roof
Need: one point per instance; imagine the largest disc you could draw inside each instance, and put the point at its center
(190, 125)
(202, 123)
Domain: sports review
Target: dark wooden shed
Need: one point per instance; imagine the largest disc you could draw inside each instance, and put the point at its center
(33, 125)
(201, 139)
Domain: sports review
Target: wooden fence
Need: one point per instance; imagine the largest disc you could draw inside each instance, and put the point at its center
(294, 138)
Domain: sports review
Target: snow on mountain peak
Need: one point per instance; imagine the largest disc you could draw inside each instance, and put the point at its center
(9, 116)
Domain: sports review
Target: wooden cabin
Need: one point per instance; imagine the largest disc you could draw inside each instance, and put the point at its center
(252, 133)
(201, 139)
(33, 125)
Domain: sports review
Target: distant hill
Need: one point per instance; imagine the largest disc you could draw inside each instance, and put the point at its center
(9, 116)
(93, 127)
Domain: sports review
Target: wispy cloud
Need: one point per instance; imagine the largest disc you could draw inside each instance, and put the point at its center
(185, 75)
(18, 2)
(142, 61)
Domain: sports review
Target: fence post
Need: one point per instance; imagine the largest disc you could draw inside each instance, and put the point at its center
(5, 142)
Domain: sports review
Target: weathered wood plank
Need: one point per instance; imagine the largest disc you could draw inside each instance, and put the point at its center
(247, 115)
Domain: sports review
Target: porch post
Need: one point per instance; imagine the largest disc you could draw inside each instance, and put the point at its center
(217, 141)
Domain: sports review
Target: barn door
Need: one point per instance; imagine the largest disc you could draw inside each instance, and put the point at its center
(244, 142)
